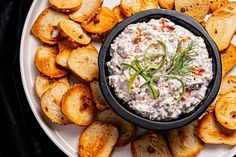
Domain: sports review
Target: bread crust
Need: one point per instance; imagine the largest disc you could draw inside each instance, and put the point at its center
(225, 110)
(83, 62)
(151, 144)
(43, 83)
(87, 11)
(212, 132)
(51, 103)
(185, 140)
(126, 129)
(65, 6)
(103, 22)
(130, 7)
(45, 26)
(78, 106)
(197, 9)
(45, 61)
(98, 140)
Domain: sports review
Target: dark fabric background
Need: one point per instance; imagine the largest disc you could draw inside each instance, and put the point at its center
(21, 134)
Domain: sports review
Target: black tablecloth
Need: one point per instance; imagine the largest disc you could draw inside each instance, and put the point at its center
(20, 133)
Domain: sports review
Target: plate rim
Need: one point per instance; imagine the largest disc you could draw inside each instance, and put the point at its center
(29, 96)
(23, 79)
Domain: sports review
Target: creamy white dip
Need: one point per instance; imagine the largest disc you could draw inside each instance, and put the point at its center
(151, 89)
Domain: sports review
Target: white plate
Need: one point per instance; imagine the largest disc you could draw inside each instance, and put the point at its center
(66, 137)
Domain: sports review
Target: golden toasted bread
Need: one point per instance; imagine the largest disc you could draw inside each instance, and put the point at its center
(64, 52)
(184, 142)
(197, 9)
(86, 11)
(228, 84)
(83, 62)
(225, 110)
(45, 61)
(103, 22)
(151, 144)
(42, 84)
(118, 13)
(126, 129)
(228, 59)
(229, 7)
(78, 106)
(91, 46)
(221, 27)
(51, 103)
(98, 140)
(45, 27)
(167, 4)
(97, 95)
(73, 32)
(216, 4)
(130, 7)
(65, 5)
(212, 132)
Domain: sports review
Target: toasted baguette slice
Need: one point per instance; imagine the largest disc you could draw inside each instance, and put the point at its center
(42, 84)
(78, 106)
(221, 27)
(197, 9)
(184, 142)
(51, 103)
(45, 61)
(98, 140)
(45, 27)
(65, 5)
(64, 52)
(228, 84)
(228, 59)
(83, 62)
(130, 7)
(225, 110)
(103, 22)
(97, 95)
(91, 46)
(118, 13)
(167, 4)
(74, 32)
(212, 132)
(87, 10)
(151, 144)
(216, 4)
(229, 7)
(126, 129)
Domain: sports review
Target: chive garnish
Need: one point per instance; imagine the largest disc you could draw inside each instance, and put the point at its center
(180, 67)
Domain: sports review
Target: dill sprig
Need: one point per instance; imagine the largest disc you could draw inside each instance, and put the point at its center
(181, 62)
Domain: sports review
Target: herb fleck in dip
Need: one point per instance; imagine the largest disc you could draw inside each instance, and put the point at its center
(159, 69)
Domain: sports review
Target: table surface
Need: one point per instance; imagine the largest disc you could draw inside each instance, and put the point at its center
(20, 133)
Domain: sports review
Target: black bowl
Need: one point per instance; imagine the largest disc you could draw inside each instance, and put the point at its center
(122, 109)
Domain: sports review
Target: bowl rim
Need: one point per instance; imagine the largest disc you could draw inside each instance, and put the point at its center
(131, 116)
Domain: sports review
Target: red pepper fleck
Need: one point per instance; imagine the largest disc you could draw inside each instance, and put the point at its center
(170, 28)
(163, 22)
(164, 25)
(186, 95)
(197, 71)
